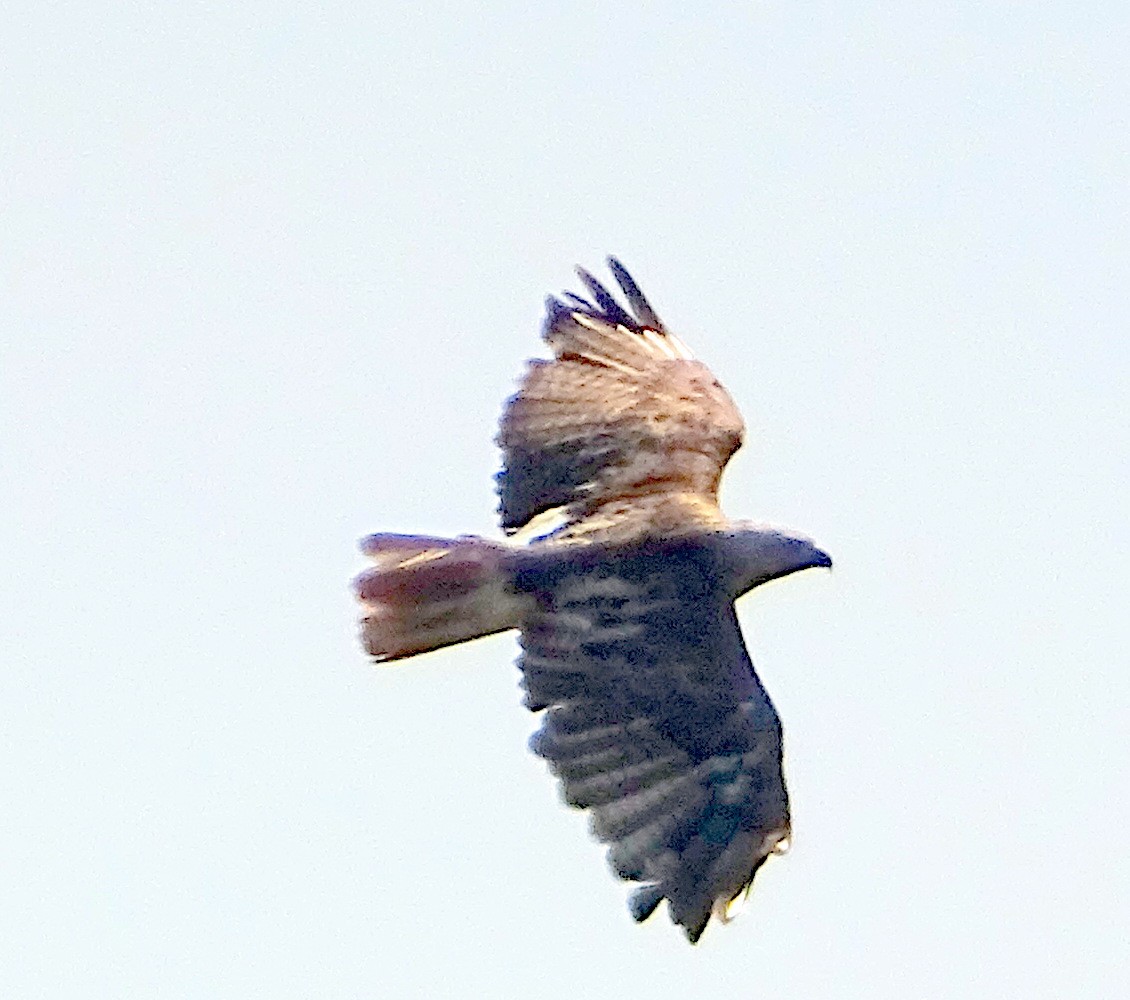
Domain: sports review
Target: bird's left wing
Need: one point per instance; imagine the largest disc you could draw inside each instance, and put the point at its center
(621, 411)
(655, 720)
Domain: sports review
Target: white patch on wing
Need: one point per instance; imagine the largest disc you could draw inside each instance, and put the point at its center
(540, 526)
(658, 343)
(422, 557)
(726, 911)
(784, 842)
(680, 348)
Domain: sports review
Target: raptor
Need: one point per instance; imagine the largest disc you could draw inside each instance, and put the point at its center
(620, 572)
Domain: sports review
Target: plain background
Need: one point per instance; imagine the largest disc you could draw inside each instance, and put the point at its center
(269, 271)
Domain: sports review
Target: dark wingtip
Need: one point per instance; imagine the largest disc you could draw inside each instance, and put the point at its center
(620, 272)
(554, 307)
(613, 311)
(642, 902)
(604, 305)
(636, 299)
(579, 303)
(596, 289)
(694, 932)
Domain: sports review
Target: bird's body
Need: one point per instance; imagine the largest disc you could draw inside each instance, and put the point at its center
(621, 574)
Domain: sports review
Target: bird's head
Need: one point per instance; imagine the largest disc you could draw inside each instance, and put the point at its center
(754, 554)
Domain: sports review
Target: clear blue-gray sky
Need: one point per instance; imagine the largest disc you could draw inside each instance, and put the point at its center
(269, 272)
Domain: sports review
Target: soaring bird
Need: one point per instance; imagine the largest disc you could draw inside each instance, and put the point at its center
(620, 573)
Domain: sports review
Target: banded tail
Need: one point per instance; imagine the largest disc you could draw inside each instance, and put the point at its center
(425, 593)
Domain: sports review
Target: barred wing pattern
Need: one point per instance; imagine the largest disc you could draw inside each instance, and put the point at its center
(656, 721)
(621, 411)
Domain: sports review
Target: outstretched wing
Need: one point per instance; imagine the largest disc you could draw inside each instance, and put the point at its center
(655, 719)
(622, 411)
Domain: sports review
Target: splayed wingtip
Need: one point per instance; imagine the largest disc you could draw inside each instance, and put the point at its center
(636, 298)
(643, 902)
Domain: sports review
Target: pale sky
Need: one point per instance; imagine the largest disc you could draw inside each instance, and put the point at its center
(269, 272)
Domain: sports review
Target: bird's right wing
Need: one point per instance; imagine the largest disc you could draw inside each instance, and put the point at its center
(655, 720)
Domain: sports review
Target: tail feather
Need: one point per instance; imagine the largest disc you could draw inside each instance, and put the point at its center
(424, 593)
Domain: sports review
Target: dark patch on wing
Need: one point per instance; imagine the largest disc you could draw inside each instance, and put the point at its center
(656, 720)
(556, 441)
(535, 480)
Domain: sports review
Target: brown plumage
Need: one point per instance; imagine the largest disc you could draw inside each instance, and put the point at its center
(621, 574)
(621, 412)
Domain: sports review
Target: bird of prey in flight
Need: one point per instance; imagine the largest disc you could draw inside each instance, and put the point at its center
(620, 573)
